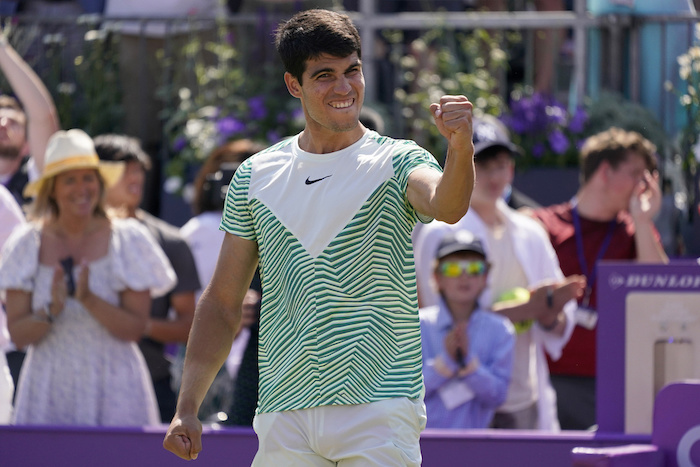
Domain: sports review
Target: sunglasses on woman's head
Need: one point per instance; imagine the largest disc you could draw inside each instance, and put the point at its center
(457, 268)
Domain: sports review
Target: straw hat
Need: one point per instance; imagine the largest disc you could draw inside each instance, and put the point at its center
(70, 150)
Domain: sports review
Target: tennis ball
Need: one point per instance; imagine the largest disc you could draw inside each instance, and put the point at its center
(517, 296)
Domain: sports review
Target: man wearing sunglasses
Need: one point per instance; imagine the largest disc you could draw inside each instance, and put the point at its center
(521, 258)
(467, 350)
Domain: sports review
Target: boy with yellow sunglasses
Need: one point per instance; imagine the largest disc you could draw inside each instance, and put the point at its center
(467, 350)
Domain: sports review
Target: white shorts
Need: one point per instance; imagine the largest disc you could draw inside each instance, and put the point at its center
(384, 433)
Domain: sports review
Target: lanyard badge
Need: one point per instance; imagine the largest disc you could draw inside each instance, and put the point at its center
(586, 316)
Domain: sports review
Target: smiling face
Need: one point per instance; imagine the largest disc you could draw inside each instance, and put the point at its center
(331, 95)
(457, 286)
(77, 192)
(128, 191)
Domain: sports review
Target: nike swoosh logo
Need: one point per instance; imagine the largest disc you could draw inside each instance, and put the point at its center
(310, 182)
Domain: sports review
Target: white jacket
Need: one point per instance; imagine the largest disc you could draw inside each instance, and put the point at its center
(539, 261)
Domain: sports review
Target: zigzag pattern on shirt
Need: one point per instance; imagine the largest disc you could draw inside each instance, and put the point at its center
(340, 338)
(341, 328)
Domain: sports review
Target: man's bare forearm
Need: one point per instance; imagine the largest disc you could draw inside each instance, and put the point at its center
(208, 347)
(453, 192)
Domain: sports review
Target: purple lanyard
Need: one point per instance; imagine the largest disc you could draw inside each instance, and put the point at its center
(590, 276)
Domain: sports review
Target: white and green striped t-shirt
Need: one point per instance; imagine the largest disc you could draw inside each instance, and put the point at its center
(339, 318)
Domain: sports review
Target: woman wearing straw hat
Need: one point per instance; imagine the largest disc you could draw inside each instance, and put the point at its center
(77, 287)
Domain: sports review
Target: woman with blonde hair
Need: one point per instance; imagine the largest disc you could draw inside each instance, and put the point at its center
(77, 287)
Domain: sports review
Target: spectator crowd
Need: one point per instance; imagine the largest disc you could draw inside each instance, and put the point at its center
(99, 296)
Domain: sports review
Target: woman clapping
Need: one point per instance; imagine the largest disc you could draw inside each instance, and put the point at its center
(77, 288)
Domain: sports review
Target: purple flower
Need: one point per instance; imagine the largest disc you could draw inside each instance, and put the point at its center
(538, 150)
(528, 115)
(256, 106)
(283, 118)
(228, 126)
(558, 142)
(179, 143)
(556, 113)
(519, 126)
(578, 120)
(273, 136)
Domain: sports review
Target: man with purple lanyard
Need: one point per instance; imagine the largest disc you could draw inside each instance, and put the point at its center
(611, 218)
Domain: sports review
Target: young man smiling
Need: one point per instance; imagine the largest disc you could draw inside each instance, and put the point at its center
(339, 345)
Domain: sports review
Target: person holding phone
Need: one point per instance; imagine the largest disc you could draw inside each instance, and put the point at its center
(78, 288)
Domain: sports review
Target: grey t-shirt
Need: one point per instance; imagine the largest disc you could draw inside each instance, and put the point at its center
(180, 256)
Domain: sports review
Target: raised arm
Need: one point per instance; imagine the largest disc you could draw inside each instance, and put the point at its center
(216, 321)
(42, 117)
(446, 196)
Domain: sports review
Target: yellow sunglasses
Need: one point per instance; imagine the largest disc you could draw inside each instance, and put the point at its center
(457, 268)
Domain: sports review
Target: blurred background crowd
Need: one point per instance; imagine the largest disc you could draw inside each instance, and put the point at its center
(180, 93)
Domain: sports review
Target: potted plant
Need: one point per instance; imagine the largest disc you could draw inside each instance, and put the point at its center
(550, 137)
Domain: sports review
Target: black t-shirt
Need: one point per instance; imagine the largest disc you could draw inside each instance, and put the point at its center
(180, 256)
(18, 181)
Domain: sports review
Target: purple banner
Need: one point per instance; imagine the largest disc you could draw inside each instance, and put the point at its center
(615, 281)
(22, 446)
